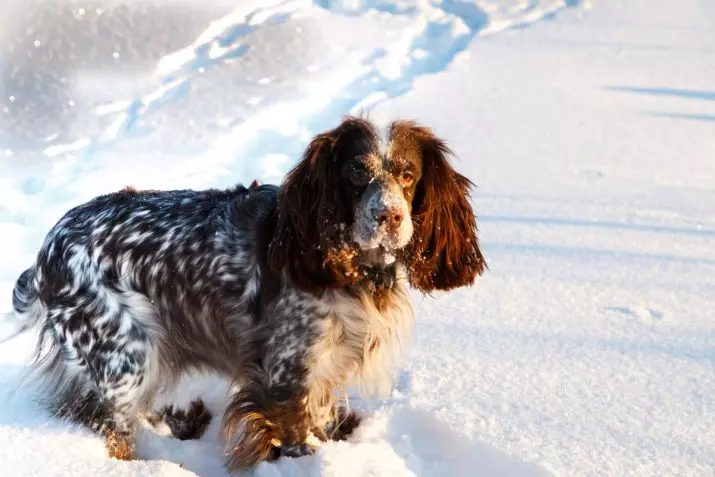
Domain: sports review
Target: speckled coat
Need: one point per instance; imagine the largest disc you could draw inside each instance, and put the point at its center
(296, 293)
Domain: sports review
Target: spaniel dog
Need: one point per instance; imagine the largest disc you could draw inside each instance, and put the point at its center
(295, 293)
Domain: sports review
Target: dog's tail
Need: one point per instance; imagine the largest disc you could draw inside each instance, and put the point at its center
(26, 304)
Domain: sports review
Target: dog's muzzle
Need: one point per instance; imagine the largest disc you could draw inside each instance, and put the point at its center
(382, 218)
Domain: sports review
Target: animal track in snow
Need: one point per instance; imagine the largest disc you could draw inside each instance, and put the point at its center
(638, 312)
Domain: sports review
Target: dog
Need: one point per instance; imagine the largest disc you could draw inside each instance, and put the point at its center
(295, 293)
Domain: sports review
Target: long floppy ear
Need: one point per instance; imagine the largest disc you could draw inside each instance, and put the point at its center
(444, 252)
(312, 206)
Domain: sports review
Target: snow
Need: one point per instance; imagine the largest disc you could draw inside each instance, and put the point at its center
(586, 350)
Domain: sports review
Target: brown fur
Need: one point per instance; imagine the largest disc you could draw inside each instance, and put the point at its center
(119, 446)
(262, 423)
(445, 250)
(444, 253)
(313, 202)
(131, 190)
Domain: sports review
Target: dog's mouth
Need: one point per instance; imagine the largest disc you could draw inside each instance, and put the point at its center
(370, 235)
(380, 256)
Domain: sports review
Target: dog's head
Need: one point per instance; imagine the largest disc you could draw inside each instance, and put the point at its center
(355, 199)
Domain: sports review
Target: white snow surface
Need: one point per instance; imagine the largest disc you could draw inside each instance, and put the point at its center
(587, 349)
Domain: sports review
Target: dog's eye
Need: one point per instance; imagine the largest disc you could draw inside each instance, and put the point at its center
(406, 179)
(359, 177)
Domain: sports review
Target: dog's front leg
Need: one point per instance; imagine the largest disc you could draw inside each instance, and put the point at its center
(269, 415)
(263, 422)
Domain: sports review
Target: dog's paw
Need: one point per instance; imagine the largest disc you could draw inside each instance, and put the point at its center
(344, 426)
(308, 447)
(297, 450)
(187, 424)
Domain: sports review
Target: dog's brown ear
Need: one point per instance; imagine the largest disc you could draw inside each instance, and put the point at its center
(444, 251)
(311, 207)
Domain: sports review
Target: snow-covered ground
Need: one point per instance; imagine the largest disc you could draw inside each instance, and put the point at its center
(588, 349)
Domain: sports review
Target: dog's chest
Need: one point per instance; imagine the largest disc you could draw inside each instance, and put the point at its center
(359, 338)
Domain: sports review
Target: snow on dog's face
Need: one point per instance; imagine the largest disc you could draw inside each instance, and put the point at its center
(381, 185)
(358, 200)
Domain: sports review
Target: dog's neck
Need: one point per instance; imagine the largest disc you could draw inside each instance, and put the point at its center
(380, 277)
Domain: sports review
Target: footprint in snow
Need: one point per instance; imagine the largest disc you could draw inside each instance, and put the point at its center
(638, 312)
